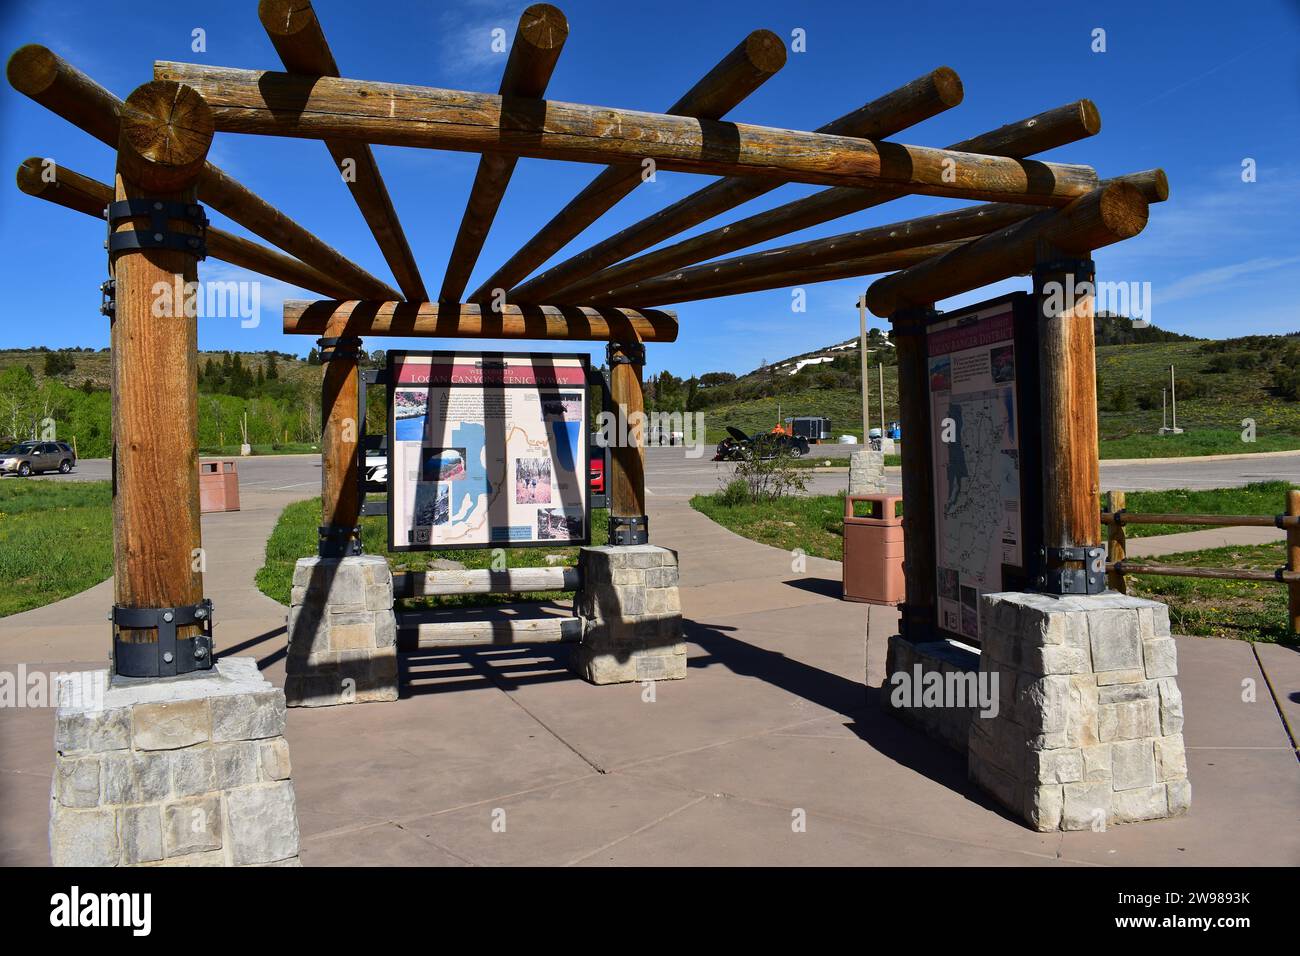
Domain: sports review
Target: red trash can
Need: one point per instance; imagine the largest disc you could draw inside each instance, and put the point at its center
(873, 551)
(218, 486)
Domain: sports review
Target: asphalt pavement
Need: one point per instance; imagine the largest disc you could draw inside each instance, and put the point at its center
(671, 472)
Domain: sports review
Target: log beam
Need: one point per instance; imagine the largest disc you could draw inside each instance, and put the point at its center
(1055, 127)
(72, 190)
(296, 34)
(845, 256)
(47, 78)
(539, 39)
(892, 113)
(164, 139)
(396, 114)
(469, 320)
(754, 61)
(1107, 215)
(832, 269)
(760, 268)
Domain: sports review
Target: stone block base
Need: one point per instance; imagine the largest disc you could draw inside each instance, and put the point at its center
(1091, 729)
(631, 615)
(867, 472)
(342, 632)
(183, 771)
(934, 687)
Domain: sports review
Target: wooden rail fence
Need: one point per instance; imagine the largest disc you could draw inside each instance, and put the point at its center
(1115, 516)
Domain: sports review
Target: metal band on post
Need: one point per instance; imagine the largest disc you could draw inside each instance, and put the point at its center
(339, 346)
(168, 656)
(629, 530)
(1077, 267)
(338, 541)
(1090, 579)
(157, 236)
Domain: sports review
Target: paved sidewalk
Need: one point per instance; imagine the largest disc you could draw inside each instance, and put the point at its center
(773, 724)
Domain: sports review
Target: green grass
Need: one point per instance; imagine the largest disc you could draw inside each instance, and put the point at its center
(1245, 610)
(1207, 441)
(56, 540)
(277, 448)
(294, 537)
(814, 523)
(1257, 498)
(1213, 421)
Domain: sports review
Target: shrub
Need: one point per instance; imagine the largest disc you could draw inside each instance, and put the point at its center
(735, 492)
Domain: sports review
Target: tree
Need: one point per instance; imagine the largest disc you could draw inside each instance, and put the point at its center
(59, 363)
(272, 367)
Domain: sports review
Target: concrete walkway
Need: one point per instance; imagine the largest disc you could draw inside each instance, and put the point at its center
(501, 757)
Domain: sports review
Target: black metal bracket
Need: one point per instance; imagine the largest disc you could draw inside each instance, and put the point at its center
(624, 353)
(338, 541)
(1090, 579)
(1080, 267)
(339, 346)
(912, 321)
(629, 530)
(157, 236)
(108, 297)
(167, 656)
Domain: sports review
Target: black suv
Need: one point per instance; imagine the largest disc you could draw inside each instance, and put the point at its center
(28, 457)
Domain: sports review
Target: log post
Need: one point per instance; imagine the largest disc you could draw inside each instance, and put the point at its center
(1115, 541)
(919, 610)
(161, 621)
(340, 483)
(627, 518)
(1064, 288)
(1293, 561)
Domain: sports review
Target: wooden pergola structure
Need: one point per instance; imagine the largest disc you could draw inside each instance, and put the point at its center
(1029, 212)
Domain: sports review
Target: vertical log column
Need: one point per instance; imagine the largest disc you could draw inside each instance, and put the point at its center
(340, 531)
(919, 609)
(1116, 541)
(627, 518)
(1063, 287)
(156, 226)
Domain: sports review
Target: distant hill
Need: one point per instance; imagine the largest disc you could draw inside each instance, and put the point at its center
(1220, 382)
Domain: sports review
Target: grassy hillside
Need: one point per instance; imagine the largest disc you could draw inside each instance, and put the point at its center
(1220, 383)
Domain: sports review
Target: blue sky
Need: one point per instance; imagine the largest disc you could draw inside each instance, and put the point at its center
(1194, 87)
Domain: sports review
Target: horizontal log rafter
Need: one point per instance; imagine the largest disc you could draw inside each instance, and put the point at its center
(754, 61)
(1052, 128)
(469, 320)
(47, 78)
(74, 191)
(297, 36)
(887, 115)
(539, 39)
(281, 104)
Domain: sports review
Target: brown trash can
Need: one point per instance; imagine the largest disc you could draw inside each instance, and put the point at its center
(218, 486)
(873, 551)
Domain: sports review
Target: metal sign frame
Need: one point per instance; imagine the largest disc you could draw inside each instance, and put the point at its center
(1024, 325)
(394, 357)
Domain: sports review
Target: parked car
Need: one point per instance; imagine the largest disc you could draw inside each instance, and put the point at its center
(765, 445)
(597, 463)
(29, 457)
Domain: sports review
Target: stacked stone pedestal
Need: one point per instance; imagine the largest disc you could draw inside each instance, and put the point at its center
(867, 472)
(1091, 729)
(183, 771)
(908, 668)
(631, 615)
(342, 632)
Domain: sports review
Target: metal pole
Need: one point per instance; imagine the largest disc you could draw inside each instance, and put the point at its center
(880, 367)
(866, 378)
(1173, 402)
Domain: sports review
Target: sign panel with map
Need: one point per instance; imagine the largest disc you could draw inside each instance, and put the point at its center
(486, 450)
(975, 431)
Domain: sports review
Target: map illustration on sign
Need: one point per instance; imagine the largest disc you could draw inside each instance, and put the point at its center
(487, 449)
(976, 456)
